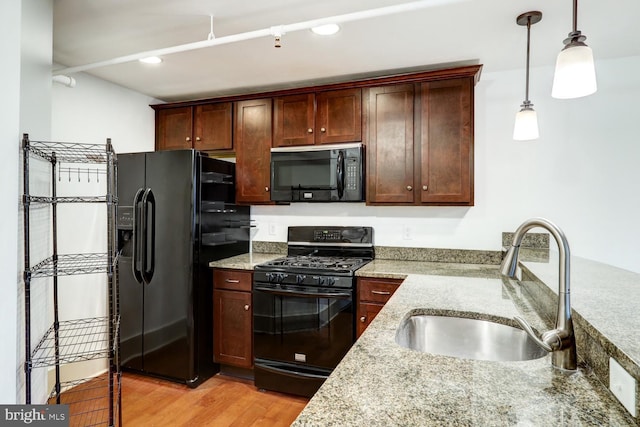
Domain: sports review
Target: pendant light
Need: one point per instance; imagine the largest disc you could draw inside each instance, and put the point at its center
(575, 74)
(526, 126)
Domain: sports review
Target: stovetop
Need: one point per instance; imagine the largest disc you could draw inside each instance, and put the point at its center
(319, 256)
(318, 264)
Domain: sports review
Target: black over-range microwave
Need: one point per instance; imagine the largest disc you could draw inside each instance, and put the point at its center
(318, 173)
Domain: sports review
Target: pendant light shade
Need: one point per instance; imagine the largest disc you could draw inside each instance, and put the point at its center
(575, 74)
(526, 125)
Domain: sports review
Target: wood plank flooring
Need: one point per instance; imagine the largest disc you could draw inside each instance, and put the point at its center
(220, 401)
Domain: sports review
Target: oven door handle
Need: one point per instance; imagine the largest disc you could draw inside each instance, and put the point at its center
(292, 373)
(288, 293)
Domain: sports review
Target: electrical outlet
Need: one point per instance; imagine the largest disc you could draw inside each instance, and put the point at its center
(622, 385)
(272, 229)
(406, 232)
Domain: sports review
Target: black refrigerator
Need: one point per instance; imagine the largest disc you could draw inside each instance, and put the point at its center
(175, 214)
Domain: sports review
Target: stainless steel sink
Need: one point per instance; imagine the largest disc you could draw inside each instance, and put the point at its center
(466, 338)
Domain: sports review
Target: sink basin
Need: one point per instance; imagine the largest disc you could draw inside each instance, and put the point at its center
(466, 338)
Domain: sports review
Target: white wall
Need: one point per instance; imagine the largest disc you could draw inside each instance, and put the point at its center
(10, 22)
(581, 174)
(95, 110)
(91, 112)
(25, 74)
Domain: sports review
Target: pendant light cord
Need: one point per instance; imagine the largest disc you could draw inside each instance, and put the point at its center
(575, 16)
(526, 96)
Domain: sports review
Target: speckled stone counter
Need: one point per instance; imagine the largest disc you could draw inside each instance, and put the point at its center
(245, 261)
(379, 383)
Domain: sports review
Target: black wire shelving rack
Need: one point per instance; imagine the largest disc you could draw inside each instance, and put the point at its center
(93, 401)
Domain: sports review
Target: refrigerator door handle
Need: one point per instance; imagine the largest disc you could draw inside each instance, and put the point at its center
(137, 238)
(149, 221)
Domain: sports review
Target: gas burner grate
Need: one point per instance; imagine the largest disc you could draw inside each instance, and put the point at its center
(318, 263)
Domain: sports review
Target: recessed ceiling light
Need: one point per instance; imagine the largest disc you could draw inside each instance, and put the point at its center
(326, 30)
(151, 60)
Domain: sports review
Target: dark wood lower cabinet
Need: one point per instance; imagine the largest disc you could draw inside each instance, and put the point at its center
(373, 293)
(232, 318)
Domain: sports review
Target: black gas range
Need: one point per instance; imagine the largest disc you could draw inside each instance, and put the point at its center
(304, 307)
(320, 257)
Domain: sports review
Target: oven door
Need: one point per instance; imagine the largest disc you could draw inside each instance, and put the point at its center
(304, 326)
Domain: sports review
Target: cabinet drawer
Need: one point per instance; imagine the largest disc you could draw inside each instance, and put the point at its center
(235, 280)
(377, 290)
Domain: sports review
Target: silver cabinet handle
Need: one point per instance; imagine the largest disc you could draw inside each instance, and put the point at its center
(231, 281)
(409, 188)
(381, 292)
(424, 188)
(246, 307)
(188, 139)
(323, 129)
(197, 138)
(363, 319)
(309, 130)
(266, 189)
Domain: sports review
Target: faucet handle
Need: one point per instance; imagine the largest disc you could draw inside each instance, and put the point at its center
(529, 330)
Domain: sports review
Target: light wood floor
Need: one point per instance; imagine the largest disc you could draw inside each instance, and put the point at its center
(220, 401)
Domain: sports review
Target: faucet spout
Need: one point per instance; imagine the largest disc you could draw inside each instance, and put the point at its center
(560, 341)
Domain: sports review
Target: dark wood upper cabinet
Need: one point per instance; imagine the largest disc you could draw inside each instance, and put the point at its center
(417, 129)
(212, 126)
(293, 120)
(339, 116)
(446, 143)
(318, 118)
(420, 143)
(174, 128)
(253, 135)
(203, 127)
(390, 150)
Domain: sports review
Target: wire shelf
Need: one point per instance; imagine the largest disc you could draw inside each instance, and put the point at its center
(79, 340)
(88, 399)
(70, 152)
(68, 199)
(71, 264)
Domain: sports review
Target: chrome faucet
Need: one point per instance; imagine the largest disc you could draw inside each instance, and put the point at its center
(561, 341)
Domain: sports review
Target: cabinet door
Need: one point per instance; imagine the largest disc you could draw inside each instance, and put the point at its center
(293, 120)
(390, 149)
(373, 293)
(366, 313)
(173, 128)
(446, 146)
(253, 150)
(212, 126)
(339, 116)
(232, 319)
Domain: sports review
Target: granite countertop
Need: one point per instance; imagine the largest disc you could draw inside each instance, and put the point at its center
(379, 383)
(245, 261)
(604, 296)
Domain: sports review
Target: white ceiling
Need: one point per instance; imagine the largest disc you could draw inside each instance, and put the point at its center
(445, 32)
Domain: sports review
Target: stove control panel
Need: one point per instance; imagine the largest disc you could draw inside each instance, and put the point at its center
(334, 234)
(324, 235)
(315, 280)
